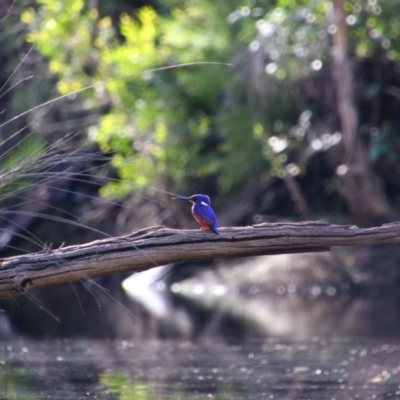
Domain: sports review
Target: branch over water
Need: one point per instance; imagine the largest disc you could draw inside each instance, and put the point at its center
(158, 245)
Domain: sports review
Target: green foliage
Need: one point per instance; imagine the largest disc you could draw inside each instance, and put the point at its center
(295, 34)
(159, 120)
(200, 121)
(375, 28)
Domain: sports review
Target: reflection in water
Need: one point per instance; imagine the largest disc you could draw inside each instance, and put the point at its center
(263, 368)
(289, 295)
(294, 296)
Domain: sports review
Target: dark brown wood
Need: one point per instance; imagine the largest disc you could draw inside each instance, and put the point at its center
(159, 246)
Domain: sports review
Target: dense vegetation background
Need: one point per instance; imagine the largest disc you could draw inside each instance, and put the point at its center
(304, 124)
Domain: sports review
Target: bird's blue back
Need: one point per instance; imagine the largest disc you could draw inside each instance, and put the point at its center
(202, 209)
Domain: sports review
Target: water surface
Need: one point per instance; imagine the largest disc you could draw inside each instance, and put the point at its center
(337, 368)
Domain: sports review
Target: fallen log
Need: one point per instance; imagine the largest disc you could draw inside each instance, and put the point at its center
(159, 245)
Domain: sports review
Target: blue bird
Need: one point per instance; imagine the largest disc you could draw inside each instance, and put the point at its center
(202, 211)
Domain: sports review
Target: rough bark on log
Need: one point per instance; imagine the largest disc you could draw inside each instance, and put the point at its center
(159, 246)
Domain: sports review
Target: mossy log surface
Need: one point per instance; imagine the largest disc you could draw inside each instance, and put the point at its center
(159, 245)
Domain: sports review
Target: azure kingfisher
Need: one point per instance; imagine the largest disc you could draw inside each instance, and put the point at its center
(202, 211)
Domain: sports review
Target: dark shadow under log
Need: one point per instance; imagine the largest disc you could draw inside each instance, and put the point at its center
(159, 246)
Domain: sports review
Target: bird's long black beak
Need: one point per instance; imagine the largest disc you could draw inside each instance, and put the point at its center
(181, 198)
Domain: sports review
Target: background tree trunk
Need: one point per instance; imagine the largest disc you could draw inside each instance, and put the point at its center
(361, 187)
